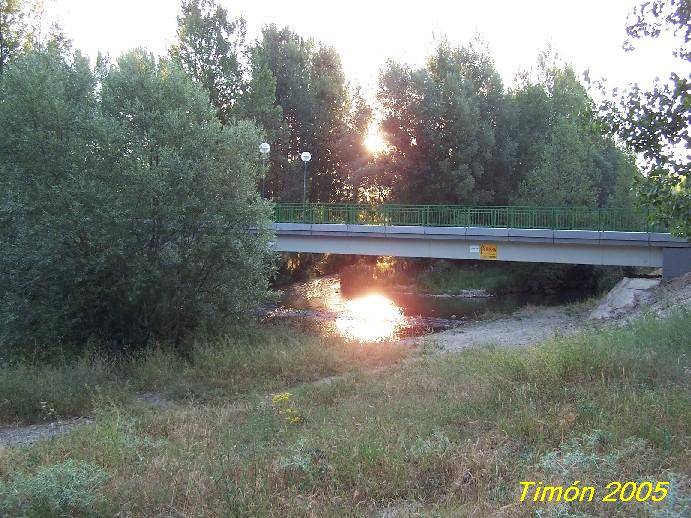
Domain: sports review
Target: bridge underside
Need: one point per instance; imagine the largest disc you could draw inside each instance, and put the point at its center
(451, 249)
(524, 245)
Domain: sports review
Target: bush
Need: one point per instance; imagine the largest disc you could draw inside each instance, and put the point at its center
(57, 490)
(125, 209)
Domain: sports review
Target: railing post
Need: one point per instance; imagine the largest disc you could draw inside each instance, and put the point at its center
(599, 219)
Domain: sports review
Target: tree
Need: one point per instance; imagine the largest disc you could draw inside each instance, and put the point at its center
(655, 123)
(13, 30)
(320, 115)
(564, 176)
(563, 158)
(209, 49)
(440, 123)
(126, 214)
(331, 137)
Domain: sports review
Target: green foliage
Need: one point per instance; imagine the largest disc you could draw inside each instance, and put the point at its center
(319, 114)
(252, 359)
(655, 123)
(13, 30)
(244, 360)
(39, 391)
(56, 490)
(209, 50)
(563, 176)
(125, 215)
(456, 137)
(296, 91)
(562, 157)
(446, 277)
(439, 122)
(258, 102)
(449, 277)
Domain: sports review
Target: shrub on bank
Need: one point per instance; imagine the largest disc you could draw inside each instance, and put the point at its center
(126, 209)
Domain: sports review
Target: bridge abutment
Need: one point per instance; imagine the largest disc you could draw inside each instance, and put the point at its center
(675, 262)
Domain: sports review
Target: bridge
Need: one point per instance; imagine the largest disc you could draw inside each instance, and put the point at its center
(528, 234)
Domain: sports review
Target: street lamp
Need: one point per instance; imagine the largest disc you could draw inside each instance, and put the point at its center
(306, 156)
(264, 149)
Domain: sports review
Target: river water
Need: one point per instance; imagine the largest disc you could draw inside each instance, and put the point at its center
(318, 305)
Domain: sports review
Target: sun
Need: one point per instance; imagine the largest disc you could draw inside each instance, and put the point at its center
(373, 318)
(374, 141)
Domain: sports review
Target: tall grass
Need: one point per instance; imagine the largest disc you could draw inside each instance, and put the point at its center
(253, 359)
(449, 435)
(256, 360)
(37, 391)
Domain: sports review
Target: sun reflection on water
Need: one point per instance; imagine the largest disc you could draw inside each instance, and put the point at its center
(373, 318)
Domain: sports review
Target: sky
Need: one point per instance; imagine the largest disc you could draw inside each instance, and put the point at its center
(588, 33)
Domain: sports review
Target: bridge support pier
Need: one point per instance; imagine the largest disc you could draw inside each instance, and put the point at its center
(675, 262)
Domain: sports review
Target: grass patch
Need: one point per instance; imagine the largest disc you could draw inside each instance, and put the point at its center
(445, 277)
(448, 435)
(37, 391)
(254, 359)
(257, 360)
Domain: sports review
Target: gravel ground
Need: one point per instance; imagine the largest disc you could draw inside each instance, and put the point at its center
(525, 327)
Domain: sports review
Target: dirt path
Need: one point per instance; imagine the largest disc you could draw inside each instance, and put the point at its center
(37, 432)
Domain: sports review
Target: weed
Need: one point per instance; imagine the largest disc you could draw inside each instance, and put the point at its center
(59, 489)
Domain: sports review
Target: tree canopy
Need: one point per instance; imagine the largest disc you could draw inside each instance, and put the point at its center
(456, 136)
(656, 123)
(126, 205)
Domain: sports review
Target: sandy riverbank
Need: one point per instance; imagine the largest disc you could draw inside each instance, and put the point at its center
(530, 325)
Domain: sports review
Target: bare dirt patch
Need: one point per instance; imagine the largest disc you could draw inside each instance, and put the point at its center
(37, 432)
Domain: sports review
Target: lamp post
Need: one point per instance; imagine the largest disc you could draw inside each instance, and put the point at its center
(306, 156)
(264, 149)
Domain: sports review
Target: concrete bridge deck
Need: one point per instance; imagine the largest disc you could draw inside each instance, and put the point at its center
(539, 245)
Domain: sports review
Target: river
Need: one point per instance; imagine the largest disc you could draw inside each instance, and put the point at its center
(318, 305)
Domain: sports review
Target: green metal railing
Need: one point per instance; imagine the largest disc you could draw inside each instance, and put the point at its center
(554, 218)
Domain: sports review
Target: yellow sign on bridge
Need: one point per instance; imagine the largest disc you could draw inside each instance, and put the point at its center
(488, 251)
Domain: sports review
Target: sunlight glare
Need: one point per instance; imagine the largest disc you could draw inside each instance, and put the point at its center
(374, 141)
(369, 319)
